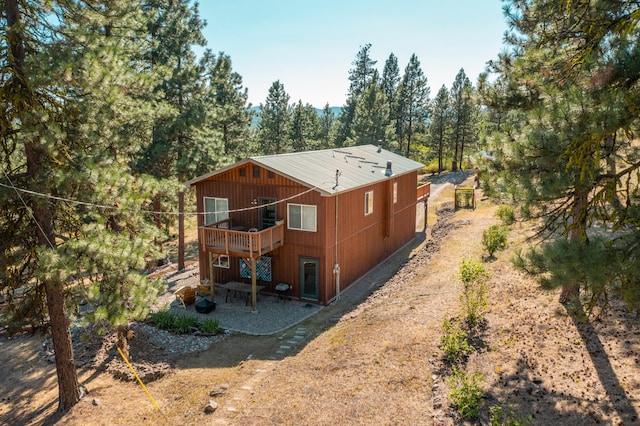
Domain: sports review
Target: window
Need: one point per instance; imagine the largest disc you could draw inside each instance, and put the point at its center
(368, 202)
(271, 174)
(256, 171)
(215, 209)
(222, 262)
(301, 217)
(243, 172)
(395, 192)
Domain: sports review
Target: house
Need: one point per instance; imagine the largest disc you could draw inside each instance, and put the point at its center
(315, 220)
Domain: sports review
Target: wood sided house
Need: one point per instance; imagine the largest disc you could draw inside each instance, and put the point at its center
(315, 220)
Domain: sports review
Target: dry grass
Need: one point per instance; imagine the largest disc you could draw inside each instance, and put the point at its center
(380, 362)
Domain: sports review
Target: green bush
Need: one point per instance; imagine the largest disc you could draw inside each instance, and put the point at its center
(453, 341)
(474, 293)
(179, 324)
(472, 271)
(494, 239)
(163, 320)
(499, 416)
(506, 214)
(184, 324)
(465, 392)
(210, 325)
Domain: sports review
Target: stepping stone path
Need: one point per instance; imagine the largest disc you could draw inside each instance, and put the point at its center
(242, 393)
(298, 337)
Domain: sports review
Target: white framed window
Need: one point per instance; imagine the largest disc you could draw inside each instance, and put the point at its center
(222, 261)
(301, 217)
(395, 192)
(368, 202)
(215, 209)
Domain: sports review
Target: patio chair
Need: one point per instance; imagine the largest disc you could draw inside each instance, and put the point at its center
(186, 295)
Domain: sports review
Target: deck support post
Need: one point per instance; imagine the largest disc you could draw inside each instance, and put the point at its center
(254, 293)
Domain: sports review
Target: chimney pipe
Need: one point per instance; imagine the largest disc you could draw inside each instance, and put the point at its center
(388, 172)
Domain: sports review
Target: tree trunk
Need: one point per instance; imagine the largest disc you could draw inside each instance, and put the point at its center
(123, 333)
(68, 387)
(578, 234)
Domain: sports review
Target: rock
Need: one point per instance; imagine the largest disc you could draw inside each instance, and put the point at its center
(211, 407)
(219, 390)
(95, 401)
(437, 403)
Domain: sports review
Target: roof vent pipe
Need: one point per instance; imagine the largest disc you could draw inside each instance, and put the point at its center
(388, 172)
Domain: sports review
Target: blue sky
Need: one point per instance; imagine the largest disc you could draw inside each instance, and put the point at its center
(309, 45)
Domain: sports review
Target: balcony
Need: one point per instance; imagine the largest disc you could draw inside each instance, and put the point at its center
(221, 238)
(424, 191)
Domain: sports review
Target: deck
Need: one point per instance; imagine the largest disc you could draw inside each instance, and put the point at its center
(219, 239)
(423, 191)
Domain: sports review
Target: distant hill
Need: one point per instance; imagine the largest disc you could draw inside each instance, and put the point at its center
(256, 110)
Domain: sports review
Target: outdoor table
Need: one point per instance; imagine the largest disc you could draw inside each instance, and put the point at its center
(239, 287)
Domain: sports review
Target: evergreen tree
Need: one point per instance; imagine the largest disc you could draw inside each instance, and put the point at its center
(175, 28)
(413, 101)
(462, 116)
(440, 123)
(275, 121)
(361, 75)
(75, 101)
(327, 127)
(363, 72)
(567, 86)
(232, 118)
(370, 123)
(389, 85)
(305, 127)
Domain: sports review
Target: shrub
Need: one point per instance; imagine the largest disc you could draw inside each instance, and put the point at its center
(474, 294)
(163, 320)
(210, 325)
(499, 416)
(184, 324)
(506, 214)
(494, 239)
(454, 341)
(465, 392)
(472, 271)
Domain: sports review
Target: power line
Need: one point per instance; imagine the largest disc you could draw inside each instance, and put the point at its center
(114, 207)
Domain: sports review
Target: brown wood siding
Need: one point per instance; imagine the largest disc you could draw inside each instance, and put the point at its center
(362, 241)
(241, 191)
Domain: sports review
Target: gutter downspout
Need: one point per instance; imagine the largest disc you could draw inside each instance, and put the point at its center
(336, 265)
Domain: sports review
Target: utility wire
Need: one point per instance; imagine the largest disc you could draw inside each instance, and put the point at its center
(113, 207)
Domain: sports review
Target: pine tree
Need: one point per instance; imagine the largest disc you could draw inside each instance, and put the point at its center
(361, 75)
(275, 121)
(370, 123)
(327, 127)
(568, 85)
(413, 101)
(389, 85)
(305, 127)
(440, 123)
(175, 28)
(232, 117)
(462, 116)
(363, 72)
(76, 105)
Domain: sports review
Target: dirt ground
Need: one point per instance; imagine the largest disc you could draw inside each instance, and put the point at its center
(375, 361)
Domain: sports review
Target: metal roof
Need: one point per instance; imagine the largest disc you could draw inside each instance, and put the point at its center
(357, 166)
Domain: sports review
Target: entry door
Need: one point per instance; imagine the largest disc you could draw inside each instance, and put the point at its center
(268, 212)
(310, 277)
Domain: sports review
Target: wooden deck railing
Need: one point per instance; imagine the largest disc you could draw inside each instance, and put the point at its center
(424, 191)
(241, 243)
